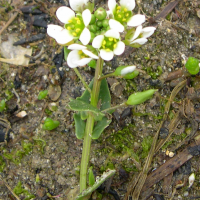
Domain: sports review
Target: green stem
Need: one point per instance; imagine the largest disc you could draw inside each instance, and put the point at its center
(82, 80)
(115, 107)
(106, 76)
(89, 127)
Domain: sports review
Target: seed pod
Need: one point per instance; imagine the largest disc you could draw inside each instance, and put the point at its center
(50, 124)
(140, 97)
(192, 65)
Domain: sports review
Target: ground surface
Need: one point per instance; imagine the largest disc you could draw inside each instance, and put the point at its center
(47, 162)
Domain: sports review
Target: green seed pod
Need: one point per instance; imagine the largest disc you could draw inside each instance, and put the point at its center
(105, 23)
(93, 19)
(98, 33)
(2, 105)
(100, 13)
(42, 94)
(192, 65)
(50, 124)
(93, 28)
(92, 63)
(102, 32)
(99, 23)
(140, 97)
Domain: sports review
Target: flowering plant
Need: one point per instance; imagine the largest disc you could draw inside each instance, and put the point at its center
(89, 36)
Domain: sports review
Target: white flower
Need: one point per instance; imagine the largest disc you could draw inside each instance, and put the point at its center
(79, 56)
(78, 5)
(123, 14)
(128, 70)
(141, 34)
(109, 44)
(75, 26)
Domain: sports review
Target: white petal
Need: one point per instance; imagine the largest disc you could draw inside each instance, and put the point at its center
(83, 61)
(77, 5)
(112, 33)
(128, 70)
(115, 25)
(76, 47)
(136, 20)
(148, 31)
(129, 4)
(89, 53)
(139, 41)
(52, 30)
(111, 5)
(85, 36)
(64, 14)
(137, 33)
(106, 55)
(63, 36)
(97, 41)
(119, 48)
(72, 58)
(86, 17)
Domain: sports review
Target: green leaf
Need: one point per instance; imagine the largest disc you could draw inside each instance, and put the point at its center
(130, 34)
(86, 95)
(104, 95)
(78, 105)
(2, 105)
(91, 177)
(79, 125)
(50, 124)
(99, 127)
(84, 115)
(42, 94)
(89, 190)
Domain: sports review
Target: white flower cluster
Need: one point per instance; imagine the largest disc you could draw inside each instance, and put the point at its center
(106, 40)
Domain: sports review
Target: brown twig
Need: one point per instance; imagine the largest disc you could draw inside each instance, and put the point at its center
(9, 22)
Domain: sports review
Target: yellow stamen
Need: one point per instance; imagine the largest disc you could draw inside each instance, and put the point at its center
(125, 9)
(82, 56)
(110, 39)
(70, 21)
(119, 16)
(114, 46)
(78, 22)
(104, 42)
(115, 40)
(79, 52)
(117, 11)
(103, 46)
(76, 18)
(78, 30)
(127, 14)
(118, 7)
(74, 34)
(123, 19)
(68, 28)
(107, 50)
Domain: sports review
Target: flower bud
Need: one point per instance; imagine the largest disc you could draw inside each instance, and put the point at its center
(105, 23)
(93, 19)
(42, 94)
(131, 75)
(192, 65)
(126, 72)
(50, 124)
(100, 13)
(99, 23)
(140, 97)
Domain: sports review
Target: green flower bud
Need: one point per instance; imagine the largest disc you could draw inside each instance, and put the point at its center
(100, 13)
(102, 32)
(93, 19)
(93, 28)
(2, 105)
(50, 124)
(105, 23)
(98, 33)
(131, 75)
(99, 23)
(140, 97)
(192, 65)
(92, 63)
(42, 94)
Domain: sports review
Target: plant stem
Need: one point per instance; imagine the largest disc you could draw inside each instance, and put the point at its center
(106, 76)
(82, 80)
(89, 127)
(114, 107)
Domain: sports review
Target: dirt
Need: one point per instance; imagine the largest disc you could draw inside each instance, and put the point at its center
(47, 163)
